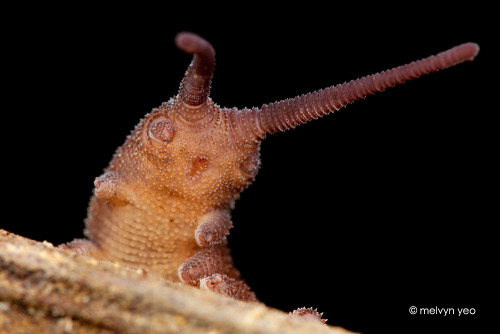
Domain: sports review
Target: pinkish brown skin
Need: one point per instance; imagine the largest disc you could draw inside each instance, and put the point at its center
(229, 287)
(163, 204)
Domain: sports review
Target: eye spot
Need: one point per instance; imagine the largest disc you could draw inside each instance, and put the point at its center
(161, 131)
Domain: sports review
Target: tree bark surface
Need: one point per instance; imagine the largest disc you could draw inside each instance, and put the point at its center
(44, 289)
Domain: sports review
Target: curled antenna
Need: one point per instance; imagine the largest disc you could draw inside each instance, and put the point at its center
(195, 87)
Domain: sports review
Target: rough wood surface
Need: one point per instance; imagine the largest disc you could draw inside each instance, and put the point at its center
(44, 289)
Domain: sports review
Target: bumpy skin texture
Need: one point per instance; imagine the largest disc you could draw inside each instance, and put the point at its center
(163, 204)
(164, 191)
(308, 314)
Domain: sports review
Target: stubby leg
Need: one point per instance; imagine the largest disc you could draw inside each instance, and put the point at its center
(208, 261)
(213, 228)
(308, 314)
(81, 247)
(212, 269)
(228, 286)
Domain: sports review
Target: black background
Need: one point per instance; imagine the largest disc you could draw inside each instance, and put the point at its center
(362, 214)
